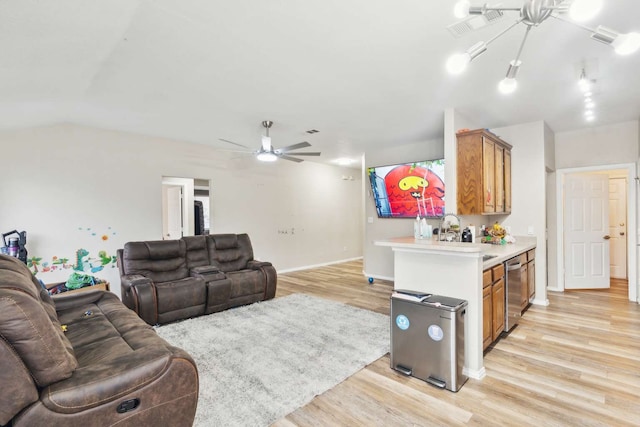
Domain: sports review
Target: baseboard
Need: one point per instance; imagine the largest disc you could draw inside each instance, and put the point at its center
(376, 276)
(537, 301)
(307, 267)
(476, 374)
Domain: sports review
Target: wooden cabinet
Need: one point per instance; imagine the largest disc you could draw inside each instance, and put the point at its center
(507, 180)
(484, 173)
(487, 310)
(497, 314)
(493, 300)
(531, 273)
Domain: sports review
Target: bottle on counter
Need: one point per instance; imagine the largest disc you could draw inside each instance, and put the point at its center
(424, 234)
(466, 235)
(472, 229)
(416, 228)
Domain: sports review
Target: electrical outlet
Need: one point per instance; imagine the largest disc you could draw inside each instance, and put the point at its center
(530, 230)
(370, 220)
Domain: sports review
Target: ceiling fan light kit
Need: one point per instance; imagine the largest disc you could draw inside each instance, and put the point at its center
(532, 14)
(267, 153)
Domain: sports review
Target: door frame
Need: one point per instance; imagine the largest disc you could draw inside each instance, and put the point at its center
(632, 251)
(188, 227)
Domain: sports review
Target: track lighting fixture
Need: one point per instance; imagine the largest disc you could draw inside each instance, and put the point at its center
(532, 14)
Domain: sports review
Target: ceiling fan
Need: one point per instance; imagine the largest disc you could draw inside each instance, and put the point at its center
(267, 153)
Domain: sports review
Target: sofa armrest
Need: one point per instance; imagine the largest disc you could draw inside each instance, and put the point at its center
(257, 265)
(204, 269)
(270, 276)
(208, 273)
(139, 294)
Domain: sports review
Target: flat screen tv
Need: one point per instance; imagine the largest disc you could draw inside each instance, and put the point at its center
(407, 190)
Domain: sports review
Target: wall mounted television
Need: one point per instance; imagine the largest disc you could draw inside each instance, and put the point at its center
(407, 190)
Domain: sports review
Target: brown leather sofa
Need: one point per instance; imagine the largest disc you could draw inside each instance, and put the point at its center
(109, 367)
(168, 280)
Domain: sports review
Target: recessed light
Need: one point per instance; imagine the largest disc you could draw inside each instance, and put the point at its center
(589, 104)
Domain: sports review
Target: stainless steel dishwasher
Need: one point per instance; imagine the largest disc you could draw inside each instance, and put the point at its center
(513, 293)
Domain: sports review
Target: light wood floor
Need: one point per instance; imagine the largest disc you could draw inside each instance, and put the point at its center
(573, 363)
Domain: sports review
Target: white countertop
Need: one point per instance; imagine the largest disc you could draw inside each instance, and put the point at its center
(502, 252)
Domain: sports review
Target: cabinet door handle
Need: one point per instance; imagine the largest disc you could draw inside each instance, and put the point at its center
(607, 237)
(622, 233)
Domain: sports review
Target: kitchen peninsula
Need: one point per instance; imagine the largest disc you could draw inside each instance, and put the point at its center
(453, 269)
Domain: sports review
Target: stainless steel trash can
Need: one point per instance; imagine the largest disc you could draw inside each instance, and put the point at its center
(427, 337)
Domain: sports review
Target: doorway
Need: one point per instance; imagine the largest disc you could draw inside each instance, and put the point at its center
(618, 225)
(185, 207)
(613, 172)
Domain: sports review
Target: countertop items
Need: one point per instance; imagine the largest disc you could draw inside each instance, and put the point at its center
(501, 253)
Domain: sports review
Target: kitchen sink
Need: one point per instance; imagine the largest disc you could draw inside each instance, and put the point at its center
(488, 257)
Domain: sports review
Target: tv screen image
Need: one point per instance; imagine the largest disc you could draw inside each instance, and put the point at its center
(409, 190)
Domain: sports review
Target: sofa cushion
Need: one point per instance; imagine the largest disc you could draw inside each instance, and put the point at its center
(246, 282)
(189, 292)
(29, 324)
(18, 389)
(160, 260)
(229, 252)
(197, 253)
(116, 352)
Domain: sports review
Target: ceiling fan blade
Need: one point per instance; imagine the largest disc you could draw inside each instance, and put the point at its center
(294, 147)
(311, 153)
(230, 150)
(293, 159)
(234, 143)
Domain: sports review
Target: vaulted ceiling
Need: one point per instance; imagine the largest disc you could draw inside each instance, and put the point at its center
(362, 72)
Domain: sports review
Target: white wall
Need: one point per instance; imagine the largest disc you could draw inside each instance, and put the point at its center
(528, 193)
(595, 146)
(378, 261)
(74, 187)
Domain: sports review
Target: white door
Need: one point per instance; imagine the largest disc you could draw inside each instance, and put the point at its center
(171, 212)
(586, 228)
(618, 226)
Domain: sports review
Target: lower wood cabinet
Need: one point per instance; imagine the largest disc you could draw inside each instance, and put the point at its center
(493, 300)
(531, 273)
(528, 277)
(487, 310)
(497, 313)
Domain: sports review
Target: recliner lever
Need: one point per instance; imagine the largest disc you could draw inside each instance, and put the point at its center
(128, 405)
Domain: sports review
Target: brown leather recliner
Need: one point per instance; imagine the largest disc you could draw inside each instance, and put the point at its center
(108, 368)
(168, 280)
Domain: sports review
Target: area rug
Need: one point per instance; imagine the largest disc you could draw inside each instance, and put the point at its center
(258, 363)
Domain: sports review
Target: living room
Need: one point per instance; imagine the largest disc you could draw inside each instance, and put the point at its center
(91, 128)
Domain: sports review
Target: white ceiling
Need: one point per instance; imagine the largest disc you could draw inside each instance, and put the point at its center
(362, 72)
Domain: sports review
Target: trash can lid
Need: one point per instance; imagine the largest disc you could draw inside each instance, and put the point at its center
(446, 302)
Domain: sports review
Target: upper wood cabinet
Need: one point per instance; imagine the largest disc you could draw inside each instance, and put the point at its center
(484, 173)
